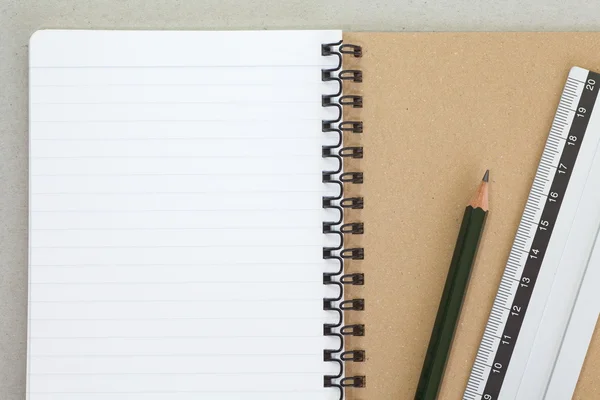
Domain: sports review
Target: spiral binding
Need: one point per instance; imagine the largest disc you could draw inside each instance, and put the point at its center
(339, 203)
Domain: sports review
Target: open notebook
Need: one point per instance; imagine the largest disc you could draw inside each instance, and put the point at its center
(177, 199)
(185, 199)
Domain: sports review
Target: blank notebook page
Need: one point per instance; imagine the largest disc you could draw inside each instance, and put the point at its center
(176, 217)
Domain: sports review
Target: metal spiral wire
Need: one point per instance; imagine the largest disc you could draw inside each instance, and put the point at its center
(339, 253)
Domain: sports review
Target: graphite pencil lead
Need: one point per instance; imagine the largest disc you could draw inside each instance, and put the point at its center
(486, 176)
(480, 198)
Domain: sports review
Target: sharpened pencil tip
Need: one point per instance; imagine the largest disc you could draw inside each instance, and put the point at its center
(486, 177)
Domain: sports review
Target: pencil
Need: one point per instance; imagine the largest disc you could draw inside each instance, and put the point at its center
(453, 295)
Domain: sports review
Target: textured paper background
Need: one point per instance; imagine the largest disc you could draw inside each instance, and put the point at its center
(439, 109)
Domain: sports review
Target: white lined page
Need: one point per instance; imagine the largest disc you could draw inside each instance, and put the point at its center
(175, 216)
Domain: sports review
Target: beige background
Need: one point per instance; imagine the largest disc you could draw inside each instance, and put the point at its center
(20, 18)
(440, 109)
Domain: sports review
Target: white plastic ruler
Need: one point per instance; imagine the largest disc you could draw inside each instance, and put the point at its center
(548, 301)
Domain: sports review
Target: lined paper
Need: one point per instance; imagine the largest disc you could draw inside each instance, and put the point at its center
(175, 216)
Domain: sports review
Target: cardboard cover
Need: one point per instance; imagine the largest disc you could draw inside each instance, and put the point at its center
(440, 108)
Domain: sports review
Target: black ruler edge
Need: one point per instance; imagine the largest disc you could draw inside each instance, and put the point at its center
(539, 245)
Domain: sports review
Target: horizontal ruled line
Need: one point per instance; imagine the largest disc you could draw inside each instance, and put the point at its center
(254, 265)
(219, 192)
(171, 392)
(235, 228)
(317, 281)
(177, 247)
(237, 174)
(177, 210)
(161, 157)
(182, 66)
(216, 300)
(283, 121)
(146, 139)
(182, 319)
(69, 103)
(241, 122)
(275, 83)
(175, 373)
(230, 337)
(190, 355)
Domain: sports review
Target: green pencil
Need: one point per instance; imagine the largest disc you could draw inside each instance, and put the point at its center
(453, 294)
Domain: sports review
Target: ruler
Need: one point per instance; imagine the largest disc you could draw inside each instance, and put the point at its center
(547, 305)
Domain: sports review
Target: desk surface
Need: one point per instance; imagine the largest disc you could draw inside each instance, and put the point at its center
(20, 18)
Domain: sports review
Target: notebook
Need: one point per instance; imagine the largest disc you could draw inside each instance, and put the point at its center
(177, 189)
(198, 230)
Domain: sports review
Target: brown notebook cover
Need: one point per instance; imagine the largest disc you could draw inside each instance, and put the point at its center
(440, 108)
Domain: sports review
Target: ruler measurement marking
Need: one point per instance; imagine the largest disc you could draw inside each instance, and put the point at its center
(527, 219)
(538, 187)
(561, 118)
(545, 168)
(546, 161)
(532, 265)
(483, 357)
(565, 108)
(488, 341)
(522, 229)
(530, 210)
(562, 114)
(524, 232)
(504, 290)
(522, 242)
(480, 370)
(496, 312)
(562, 121)
(537, 191)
